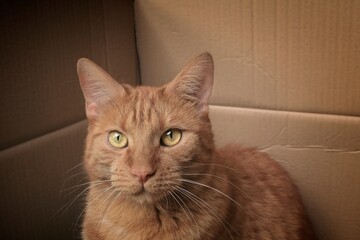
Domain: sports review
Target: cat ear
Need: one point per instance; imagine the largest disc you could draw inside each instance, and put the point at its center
(194, 83)
(98, 87)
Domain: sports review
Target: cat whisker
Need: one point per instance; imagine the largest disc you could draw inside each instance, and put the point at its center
(166, 199)
(73, 168)
(104, 193)
(90, 201)
(68, 205)
(220, 192)
(85, 208)
(249, 213)
(207, 186)
(72, 177)
(232, 184)
(175, 196)
(90, 184)
(253, 214)
(79, 186)
(112, 199)
(109, 206)
(203, 204)
(223, 179)
(83, 184)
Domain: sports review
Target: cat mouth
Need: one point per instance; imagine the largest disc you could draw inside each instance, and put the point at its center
(143, 196)
(141, 191)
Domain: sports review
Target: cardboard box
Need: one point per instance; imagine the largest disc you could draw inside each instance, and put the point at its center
(40, 44)
(42, 127)
(321, 153)
(286, 80)
(283, 55)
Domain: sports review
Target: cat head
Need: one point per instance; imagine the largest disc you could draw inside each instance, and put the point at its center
(142, 140)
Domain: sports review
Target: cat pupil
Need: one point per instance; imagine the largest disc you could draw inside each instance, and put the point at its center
(117, 137)
(169, 134)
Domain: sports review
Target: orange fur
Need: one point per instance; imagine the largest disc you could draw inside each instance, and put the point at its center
(194, 191)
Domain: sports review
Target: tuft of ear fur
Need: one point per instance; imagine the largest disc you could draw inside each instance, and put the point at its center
(98, 87)
(194, 83)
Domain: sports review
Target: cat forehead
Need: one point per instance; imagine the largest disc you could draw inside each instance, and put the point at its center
(151, 105)
(141, 101)
(144, 92)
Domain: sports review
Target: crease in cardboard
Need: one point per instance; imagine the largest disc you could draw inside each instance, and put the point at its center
(310, 147)
(282, 130)
(54, 132)
(301, 113)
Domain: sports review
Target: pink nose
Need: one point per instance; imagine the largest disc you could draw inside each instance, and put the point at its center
(142, 175)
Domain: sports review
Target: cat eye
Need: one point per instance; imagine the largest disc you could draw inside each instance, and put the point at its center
(117, 139)
(171, 137)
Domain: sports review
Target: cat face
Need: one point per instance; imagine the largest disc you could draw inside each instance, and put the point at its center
(141, 140)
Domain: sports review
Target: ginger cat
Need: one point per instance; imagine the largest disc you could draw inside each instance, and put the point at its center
(155, 174)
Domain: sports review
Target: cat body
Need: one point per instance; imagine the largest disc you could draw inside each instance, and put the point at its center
(155, 174)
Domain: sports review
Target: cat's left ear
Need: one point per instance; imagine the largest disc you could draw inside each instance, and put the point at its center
(195, 82)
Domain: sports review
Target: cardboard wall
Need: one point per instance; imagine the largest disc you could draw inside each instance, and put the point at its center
(281, 55)
(42, 129)
(321, 153)
(40, 44)
(41, 188)
(286, 80)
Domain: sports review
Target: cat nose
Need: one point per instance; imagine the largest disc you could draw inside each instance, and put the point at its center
(142, 175)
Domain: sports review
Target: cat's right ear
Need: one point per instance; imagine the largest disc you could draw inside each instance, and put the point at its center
(98, 87)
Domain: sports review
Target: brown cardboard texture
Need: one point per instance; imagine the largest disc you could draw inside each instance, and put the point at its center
(289, 70)
(324, 167)
(286, 80)
(40, 92)
(286, 55)
(41, 186)
(41, 104)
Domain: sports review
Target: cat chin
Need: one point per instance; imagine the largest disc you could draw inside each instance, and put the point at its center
(144, 198)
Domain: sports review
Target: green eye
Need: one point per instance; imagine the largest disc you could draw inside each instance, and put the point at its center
(171, 137)
(117, 139)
